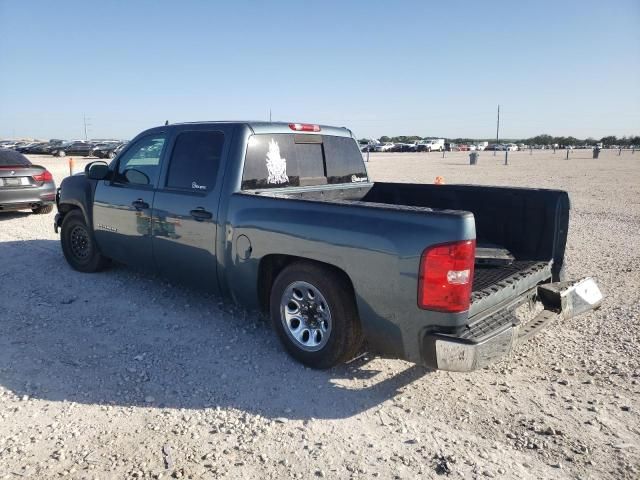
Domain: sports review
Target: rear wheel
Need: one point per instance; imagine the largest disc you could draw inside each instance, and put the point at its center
(314, 313)
(79, 246)
(61, 153)
(42, 209)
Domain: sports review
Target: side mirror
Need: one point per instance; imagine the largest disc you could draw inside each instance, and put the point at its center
(97, 170)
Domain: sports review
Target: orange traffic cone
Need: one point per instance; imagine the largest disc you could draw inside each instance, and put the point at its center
(70, 166)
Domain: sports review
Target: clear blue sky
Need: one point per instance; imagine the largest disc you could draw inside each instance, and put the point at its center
(379, 67)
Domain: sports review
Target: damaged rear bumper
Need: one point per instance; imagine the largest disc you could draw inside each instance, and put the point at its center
(493, 337)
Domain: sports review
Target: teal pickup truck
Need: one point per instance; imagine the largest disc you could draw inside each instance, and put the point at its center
(283, 217)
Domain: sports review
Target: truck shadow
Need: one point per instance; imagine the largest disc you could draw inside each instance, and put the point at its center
(130, 339)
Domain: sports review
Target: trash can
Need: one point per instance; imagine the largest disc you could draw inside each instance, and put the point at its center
(473, 158)
(596, 152)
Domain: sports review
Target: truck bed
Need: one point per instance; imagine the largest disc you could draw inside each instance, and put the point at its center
(530, 223)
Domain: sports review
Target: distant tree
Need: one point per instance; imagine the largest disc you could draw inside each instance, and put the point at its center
(610, 140)
(384, 139)
(364, 141)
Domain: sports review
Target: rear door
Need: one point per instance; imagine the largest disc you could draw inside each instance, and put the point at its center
(122, 205)
(185, 208)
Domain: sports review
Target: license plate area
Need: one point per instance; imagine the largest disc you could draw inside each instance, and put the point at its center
(14, 181)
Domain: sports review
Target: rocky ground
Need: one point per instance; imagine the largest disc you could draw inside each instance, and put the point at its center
(123, 375)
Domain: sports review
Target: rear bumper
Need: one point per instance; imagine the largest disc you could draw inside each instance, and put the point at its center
(27, 198)
(495, 336)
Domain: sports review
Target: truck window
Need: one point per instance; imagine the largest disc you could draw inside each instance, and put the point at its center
(286, 160)
(140, 164)
(344, 160)
(195, 160)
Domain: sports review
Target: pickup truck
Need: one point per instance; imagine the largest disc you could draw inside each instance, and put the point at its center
(284, 218)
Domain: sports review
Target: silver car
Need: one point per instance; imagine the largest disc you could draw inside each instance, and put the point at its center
(24, 186)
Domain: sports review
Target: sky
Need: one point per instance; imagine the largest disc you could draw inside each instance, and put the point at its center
(377, 67)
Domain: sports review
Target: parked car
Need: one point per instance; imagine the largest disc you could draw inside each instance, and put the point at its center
(83, 149)
(402, 147)
(512, 147)
(283, 217)
(24, 185)
(434, 145)
(108, 151)
(384, 147)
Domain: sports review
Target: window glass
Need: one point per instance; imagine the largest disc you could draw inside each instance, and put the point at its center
(11, 157)
(195, 161)
(283, 160)
(140, 164)
(344, 160)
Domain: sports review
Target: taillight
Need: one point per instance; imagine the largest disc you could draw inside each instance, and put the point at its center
(304, 127)
(446, 276)
(43, 177)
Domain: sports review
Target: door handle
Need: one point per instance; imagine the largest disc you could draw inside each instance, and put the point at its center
(201, 214)
(140, 204)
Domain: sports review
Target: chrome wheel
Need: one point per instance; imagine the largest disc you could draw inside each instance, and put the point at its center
(305, 315)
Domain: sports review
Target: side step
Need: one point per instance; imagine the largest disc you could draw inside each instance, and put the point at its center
(535, 325)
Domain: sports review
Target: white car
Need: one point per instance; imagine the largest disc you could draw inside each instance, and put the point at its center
(434, 145)
(385, 147)
(511, 147)
(480, 147)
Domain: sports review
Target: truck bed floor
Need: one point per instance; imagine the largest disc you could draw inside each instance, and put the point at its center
(486, 280)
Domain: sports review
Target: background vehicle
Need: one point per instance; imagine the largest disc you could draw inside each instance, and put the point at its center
(24, 185)
(283, 217)
(512, 147)
(384, 147)
(434, 144)
(109, 150)
(72, 148)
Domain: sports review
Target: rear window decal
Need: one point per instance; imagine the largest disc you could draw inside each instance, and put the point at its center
(276, 165)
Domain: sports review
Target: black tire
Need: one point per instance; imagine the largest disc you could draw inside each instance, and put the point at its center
(42, 209)
(79, 246)
(61, 153)
(345, 338)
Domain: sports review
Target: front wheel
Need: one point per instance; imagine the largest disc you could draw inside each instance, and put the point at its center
(314, 313)
(79, 246)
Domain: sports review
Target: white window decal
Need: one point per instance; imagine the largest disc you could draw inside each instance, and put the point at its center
(276, 165)
(355, 178)
(198, 187)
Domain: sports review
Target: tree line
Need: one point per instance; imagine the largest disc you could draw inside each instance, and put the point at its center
(537, 140)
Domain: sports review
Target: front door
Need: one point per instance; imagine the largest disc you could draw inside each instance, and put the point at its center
(122, 205)
(185, 209)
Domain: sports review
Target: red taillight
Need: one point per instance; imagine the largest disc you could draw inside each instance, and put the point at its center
(304, 127)
(446, 276)
(43, 177)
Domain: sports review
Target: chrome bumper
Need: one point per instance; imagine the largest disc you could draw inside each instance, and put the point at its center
(560, 300)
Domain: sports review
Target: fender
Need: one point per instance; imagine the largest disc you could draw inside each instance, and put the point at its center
(75, 192)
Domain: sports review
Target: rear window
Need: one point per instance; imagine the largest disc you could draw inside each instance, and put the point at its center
(11, 158)
(293, 160)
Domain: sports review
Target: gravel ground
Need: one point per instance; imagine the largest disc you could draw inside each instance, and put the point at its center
(123, 375)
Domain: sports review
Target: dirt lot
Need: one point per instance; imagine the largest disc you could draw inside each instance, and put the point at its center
(122, 375)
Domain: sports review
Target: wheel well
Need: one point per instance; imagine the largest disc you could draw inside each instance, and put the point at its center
(67, 207)
(271, 266)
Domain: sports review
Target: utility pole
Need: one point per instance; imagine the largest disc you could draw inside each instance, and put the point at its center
(86, 124)
(497, 131)
(269, 115)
